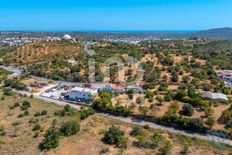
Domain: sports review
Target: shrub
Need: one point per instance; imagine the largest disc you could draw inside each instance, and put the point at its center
(139, 100)
(211, 121)
(160, 100)
(183, 123)
(147, 127)
(44, 112)
(8, 92)
(174, 78)
(70, 128)
(187, 110)
(168, 96)
(130, 96)
(166, 148)
(137, 131)
(37, 114)
(67, 107)
(26, 103)
(226, 116)
(84, 113)
(51, 139)
(60, 113)
(36, 135)
(144, 143)
(143, 110)
(36, 127)
(11, 107)
(114, 136)
(26, 113)
(16, 104)
(180, 95)
(33, 121)
(68, 110)
(174, 107)
(16, 123)
(2, 130)
(157, 137)
(149, 94)
(20, 115)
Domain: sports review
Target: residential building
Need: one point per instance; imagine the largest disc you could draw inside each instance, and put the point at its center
(82, 94)
(225, 74)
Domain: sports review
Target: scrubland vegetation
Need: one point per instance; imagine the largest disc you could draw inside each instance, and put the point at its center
(29, 126)
(175, 75)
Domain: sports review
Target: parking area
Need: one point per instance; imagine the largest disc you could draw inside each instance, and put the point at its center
(61, 92)
(57, 92)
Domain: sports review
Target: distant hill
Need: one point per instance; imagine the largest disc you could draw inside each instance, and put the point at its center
(217, 34)
(41, 51)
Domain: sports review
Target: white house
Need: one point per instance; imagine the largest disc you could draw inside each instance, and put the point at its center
(82, 94)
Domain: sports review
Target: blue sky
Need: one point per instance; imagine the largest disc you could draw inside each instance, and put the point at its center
(86, 15)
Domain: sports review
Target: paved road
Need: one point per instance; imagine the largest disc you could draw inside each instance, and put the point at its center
(37, 96)
(128, 119)
(138, 122)
(15, 71)
(170, 129)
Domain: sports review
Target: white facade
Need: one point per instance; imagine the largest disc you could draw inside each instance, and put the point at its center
(67, 37)
(79, 93)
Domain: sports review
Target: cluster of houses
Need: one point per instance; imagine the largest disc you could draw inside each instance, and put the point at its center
(86, 94)
(19, 41)
(226, 76)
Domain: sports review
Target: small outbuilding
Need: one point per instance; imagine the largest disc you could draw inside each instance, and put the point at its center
(134, 89)
(215, 96)
(111, 88)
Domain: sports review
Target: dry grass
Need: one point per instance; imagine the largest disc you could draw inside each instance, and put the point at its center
(19, 139)
(88, 141)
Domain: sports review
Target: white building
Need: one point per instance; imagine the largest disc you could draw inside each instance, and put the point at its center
(82, 94)
(112, 88)
(67, 37)
(215, 96)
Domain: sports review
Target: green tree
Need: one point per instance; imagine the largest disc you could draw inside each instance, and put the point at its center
(51, 139)
(210, 121)
(160, 100)
(115, 136)
(187, 109)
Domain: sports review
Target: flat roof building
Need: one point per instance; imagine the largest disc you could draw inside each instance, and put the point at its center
(215, 96)
(82, 94)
